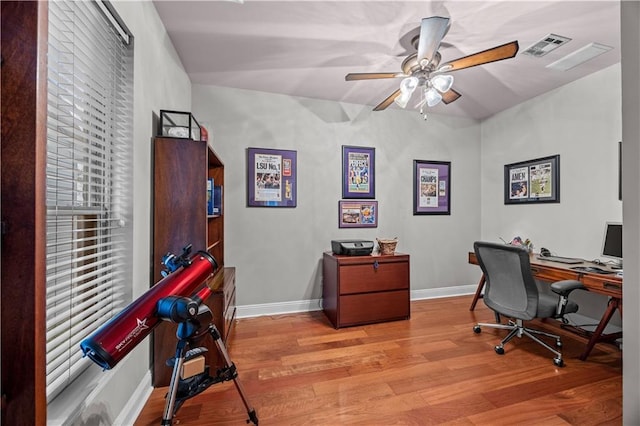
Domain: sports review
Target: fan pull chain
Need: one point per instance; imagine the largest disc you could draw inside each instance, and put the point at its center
(422, 113)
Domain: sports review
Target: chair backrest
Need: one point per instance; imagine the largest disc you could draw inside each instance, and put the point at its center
(510, 288)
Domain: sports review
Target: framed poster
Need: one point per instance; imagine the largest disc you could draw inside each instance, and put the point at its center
(271, 178)
(431, 187)
(533, 181)
(358, 172)
(357, 214)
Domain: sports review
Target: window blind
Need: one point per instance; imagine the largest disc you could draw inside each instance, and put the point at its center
(89, 198)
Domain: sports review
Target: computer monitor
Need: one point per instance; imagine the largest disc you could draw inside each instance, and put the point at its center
(612, 244)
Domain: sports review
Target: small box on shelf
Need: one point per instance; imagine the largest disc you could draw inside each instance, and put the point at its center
(179, 124)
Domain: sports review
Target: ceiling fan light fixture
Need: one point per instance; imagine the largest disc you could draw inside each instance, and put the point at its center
(409, 84)
(442, 82)
(432, 96)
(402, 100)
(407, 87)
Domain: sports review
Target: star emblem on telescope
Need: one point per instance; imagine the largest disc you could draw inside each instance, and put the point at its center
(142, 324)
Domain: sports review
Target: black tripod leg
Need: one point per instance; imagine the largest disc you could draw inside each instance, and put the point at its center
(253, 417)
(169, 407)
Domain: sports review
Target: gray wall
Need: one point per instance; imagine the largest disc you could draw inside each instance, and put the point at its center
(278, 251)
(585, 131)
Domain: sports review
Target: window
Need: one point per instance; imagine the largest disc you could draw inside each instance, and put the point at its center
(89, 198)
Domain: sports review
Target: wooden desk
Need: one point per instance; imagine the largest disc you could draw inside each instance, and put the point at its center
(606, 284)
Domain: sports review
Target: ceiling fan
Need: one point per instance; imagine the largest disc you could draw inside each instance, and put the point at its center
(423, 70)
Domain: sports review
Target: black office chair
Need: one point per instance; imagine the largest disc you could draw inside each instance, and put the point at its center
(510, 290)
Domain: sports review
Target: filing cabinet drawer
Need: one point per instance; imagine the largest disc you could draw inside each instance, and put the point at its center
(374, 307)
(376, 276)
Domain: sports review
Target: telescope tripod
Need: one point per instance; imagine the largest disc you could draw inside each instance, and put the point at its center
(180, 389)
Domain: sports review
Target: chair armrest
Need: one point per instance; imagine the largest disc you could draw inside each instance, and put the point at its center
(565, 287)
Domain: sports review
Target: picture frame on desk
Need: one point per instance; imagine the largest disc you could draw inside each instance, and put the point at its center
(357, 214)
(532, 181)
(431, 187)
(358, 172)
(271, 177)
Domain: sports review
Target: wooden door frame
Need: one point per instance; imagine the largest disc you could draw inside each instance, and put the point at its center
(23, 208)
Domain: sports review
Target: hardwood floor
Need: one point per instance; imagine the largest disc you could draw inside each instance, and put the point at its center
(297, 369)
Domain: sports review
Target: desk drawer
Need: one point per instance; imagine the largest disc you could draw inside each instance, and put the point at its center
(603, 285)
(550, 274)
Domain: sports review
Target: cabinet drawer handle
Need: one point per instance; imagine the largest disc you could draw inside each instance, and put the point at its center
(375, 265)
(535, 270)
(613, 286)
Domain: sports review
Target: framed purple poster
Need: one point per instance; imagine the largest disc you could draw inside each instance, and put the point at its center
(271, 178)
(357, 214)
(358, 172)
(431, 187)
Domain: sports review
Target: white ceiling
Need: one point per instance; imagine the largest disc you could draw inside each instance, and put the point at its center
(305, 48)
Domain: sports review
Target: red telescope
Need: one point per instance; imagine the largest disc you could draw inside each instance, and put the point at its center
(115, 339)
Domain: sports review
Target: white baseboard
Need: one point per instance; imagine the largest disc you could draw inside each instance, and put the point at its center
(133, 408)
(249, 311)
(436, 293)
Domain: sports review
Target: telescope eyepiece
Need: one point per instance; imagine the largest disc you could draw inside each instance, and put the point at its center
(173, 262)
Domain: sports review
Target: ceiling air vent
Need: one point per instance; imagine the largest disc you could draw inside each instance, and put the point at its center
(580, 56)
(546, 45)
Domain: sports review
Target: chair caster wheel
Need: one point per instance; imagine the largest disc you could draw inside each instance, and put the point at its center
(476, 329)
(558, 362)
(499, 350)
(558, 343)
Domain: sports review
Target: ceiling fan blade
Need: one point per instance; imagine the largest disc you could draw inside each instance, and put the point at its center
(494, 54)
(372, 75)
(432, 30)
(384, 104)
(450, 96)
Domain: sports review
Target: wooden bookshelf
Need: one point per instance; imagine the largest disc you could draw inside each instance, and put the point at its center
(181, 168)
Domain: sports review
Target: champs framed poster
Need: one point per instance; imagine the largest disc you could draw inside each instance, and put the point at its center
(431, 187)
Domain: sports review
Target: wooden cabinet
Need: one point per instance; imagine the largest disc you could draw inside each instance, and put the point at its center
(181, 168)
(365, 289)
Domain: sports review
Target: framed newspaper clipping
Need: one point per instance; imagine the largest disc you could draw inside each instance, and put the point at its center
(431, 187)
(271, 178)
(358, 172)
(357, 214)
(533, 181)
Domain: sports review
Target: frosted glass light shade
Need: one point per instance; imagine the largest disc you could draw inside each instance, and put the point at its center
(442, 82)
(402, 100)
(432, 96)
(407, 87)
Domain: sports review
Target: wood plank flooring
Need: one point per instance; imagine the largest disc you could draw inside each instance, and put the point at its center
(433, 369)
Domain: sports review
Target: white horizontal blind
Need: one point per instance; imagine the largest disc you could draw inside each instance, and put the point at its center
(89, 200)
